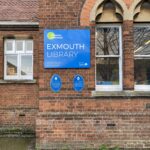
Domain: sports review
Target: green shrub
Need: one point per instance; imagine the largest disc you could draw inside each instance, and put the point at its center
(104, 147)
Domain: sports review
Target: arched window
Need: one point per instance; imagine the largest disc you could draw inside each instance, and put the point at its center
(109, 11)
(142, 46)
(142, 12)
(108, 47)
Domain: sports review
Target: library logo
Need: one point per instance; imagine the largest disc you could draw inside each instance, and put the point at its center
(53, 36)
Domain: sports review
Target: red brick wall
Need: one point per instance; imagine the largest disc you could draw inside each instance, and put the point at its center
(90, 130)
(128, 2)
(128, 55)
(18, 101)
(73, 120)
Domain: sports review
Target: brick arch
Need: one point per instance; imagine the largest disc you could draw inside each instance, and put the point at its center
(89, 9)
(133, 7)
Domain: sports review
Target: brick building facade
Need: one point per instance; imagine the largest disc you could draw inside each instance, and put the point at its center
(69, 119)
(19, 99)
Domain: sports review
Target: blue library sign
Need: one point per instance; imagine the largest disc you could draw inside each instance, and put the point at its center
(67, 48)
(78, 83)
(55, 83)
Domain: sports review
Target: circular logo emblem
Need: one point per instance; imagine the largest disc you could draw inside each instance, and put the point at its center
(51, 35)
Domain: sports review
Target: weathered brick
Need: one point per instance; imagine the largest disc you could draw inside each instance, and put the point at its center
(77, 120)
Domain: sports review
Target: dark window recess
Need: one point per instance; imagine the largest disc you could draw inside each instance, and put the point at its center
(22, 115)
(111, 125)
(148, 106)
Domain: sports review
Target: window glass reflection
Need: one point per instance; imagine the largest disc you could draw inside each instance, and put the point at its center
(19, 45)
(107, 41)
(11, 62)
(142, 71)
(26, 65)
(142, 41)
(107, 71)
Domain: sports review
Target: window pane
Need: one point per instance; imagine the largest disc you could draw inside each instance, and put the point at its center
(9, 46)
(107, 41)
(29, 46)
(26, 65)
(19, 45)
(142, 71)
(107, 71)
(11, 64)
(142, 40)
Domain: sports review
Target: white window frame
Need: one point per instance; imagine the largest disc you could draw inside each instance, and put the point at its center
(19, 54)
(142, 87)
(111, 87)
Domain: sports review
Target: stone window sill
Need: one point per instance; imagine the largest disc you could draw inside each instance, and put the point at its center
(18, 81)
(121, 94)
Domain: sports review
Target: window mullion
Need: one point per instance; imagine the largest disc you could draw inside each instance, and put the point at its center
(19, 66)
(108, 56)
(142, 56)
